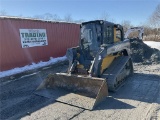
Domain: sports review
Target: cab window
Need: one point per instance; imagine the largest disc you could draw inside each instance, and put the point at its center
(108, 33)
(118, 34)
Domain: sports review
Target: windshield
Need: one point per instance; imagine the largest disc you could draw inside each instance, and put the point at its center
(91, 36)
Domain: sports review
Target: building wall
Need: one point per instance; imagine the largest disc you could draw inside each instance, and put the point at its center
(60, 37)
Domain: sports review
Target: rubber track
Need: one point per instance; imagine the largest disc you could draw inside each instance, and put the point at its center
(114, 71)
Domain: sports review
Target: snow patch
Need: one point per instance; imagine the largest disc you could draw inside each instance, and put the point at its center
(153, 44)
(31, 67)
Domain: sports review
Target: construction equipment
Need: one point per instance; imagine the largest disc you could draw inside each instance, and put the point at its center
(100, 63)
(134, 29)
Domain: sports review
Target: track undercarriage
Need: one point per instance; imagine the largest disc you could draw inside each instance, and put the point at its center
(118, 71)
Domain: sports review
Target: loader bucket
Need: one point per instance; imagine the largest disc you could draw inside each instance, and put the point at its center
(79, 91)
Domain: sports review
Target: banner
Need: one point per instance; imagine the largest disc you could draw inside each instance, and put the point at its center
(33, 37)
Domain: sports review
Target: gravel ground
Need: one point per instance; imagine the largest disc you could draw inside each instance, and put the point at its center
(16, 95)
(138, 99)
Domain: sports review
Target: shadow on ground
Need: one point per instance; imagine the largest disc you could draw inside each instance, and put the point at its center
(139, 87)
(18, 98)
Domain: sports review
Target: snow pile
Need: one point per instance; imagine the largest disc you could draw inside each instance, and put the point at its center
(153, 44)
(141, 52)
(31, 67)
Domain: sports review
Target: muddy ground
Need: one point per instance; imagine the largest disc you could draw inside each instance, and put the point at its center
(138, 99)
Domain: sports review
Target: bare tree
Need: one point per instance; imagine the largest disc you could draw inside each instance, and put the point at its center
(104, 16)
(3, 13)
(56, 17)
(38, 17)
(154, 21)
(126, 24)
(156, 15)
(20, 15)
(48, 16)
(79, 21)
(147, 30)
(68, 18)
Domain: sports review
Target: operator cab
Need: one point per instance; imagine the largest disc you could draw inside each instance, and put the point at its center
(95, 34)
(91, 37)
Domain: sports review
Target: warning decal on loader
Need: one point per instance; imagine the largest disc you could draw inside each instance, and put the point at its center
(33, 37)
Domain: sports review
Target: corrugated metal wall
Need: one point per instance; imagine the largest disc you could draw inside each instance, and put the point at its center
(60, 37)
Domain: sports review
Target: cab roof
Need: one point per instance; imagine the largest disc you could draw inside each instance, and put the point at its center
(98, 21)
(101, 21)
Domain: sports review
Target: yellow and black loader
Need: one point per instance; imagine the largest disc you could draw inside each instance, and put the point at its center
(100, 63)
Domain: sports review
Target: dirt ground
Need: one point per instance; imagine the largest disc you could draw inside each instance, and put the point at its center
(138, 99)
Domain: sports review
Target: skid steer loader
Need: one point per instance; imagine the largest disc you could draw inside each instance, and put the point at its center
(100, 63)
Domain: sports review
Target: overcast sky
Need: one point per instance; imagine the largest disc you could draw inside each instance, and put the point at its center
(136, 11)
